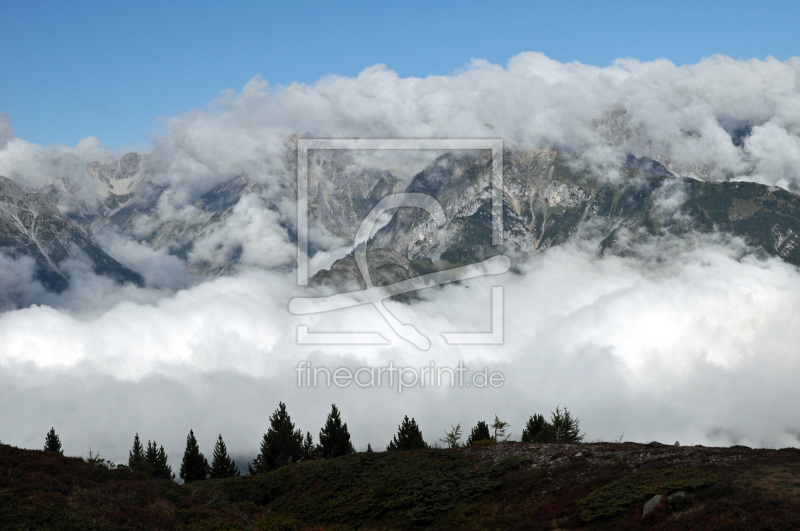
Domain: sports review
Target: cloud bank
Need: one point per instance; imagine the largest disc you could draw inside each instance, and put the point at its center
(735, 118)
(689, 339)
(699, 350)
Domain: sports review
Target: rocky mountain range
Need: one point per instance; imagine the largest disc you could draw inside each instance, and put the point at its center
(549, 197)
(30, 225)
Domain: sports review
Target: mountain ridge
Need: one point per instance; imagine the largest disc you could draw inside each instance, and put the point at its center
(548, 200)
(32, 226)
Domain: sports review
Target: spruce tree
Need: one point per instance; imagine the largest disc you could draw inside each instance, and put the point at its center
(163, 470)
(310, 450)
(136, 460)
(222, 465)
(281, 445)
(334, 437)
(479, 433)
(156, 458)
(257, 466)
(369, 448)
(151, 453)
(536, 429)
(194, 466)
(52, 442)
(566, 428)
(409, 437)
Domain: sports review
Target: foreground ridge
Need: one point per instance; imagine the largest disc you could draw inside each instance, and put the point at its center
(488, 486)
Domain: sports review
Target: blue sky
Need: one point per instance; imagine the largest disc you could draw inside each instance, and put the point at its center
(114, 70)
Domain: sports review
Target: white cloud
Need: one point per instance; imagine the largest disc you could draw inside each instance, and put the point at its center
(35, 166)
(252, 232)
(695, 350)
(683, 115)
(17, 282)
(776, 155)
(688, 340)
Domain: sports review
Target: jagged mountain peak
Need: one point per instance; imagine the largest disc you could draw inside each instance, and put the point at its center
(119, 177)
(30, 225)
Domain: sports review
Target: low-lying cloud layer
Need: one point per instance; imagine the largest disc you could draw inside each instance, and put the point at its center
(689, 339)
(699, 350)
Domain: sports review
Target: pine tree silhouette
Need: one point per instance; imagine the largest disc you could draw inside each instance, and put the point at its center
(310, 450)
(156, 457)
(479, 433)
(281, 445)
(408, 437)
(194, 466)
(136, 460)
(222, 465)
(334, 438)
(535, 429)
(565, 427)
(52, 442)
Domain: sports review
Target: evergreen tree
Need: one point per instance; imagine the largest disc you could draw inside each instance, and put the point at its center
(499, 427)
(151, 453)
(369, 448)
(565, 427)
(281, 445)
(163, 470)
(536, 429)
(409, 437)
(156, 458)
(222, 465)
(334, 437)
(257, 466)
(194, 466)
(479, 433)
(52, 442)
(452, 437)
(136, 460)
(310, 450)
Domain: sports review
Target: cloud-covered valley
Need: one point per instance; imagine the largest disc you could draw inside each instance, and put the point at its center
(691, 337)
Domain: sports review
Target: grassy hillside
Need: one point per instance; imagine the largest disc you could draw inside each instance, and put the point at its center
(507, 486)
